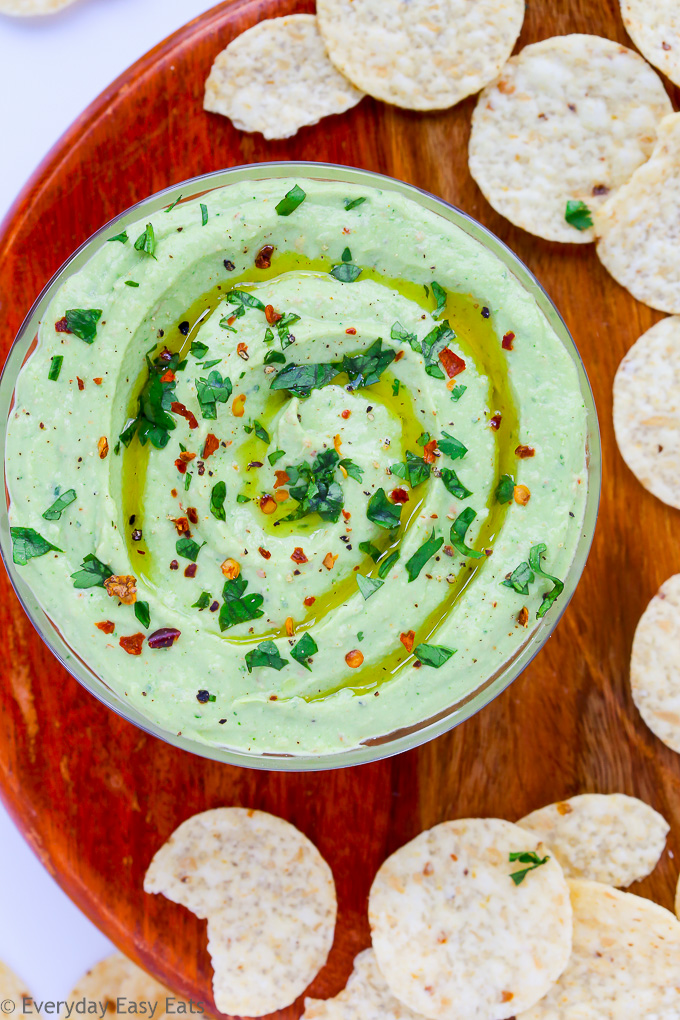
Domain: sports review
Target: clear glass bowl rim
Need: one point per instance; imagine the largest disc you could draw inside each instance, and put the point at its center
(388, 745)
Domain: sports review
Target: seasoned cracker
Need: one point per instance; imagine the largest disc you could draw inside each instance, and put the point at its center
(27, 8)
(13, 989)
(654, 27)
(625, 964)
(608, 838)
(637, 228)
(655, 664)
(365, 997)
(117, 977)
(647, 410)
(276, 78)
(450, 926)
(424, 54)
(569, 119)
(269, 898)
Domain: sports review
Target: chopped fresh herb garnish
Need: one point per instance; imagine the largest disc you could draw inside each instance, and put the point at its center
(27, 544)
(415, 470)
(529, 857)
(274, 357)
(187, 548)
(439, 296)
(283, 329)
(210, 364)
(368, 585)
(535, 555)
(153, 422)
(237, 607)
(146, 242)
(315, 489)
(246, 300)
(388, 563)
(360, 635)
(433, 655)
(198, 349)
(352, 469)
(276, 455)
(171, 207)
(82, 322)
(402, 335)
(54, 512)
(457, 392)
(302, 379)
(92, 573)
(352, 203)
(346, 272)
(346, 255)
(370, 550)
(217, 498)
(395, 387)
(204, 214)
(55, 367)
(305, 647)
(459, 530)
(224, 323)
(212, 391)
(122, 237)
(380, 511)
(203, 601)
(142, 613)
(366, 368)
(422, 555)
(520, 579)
(435, 342)
(266, 654)
(187, 480)
(242, 499)
(259, 430)
(423, 439)
(505, 489)
(453, 484)
(131, 283)
(268, 335)
(451, 447)
(578, 215)
(291, 200)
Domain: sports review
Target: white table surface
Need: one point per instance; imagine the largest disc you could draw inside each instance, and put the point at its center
(50, 69)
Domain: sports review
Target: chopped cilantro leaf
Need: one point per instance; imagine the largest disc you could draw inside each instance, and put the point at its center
(265, 655)
(420, 557)
(237, 607)
(28, 544)
(433, 655)
(505, 489)
(198, 349)
(415, 470)
(204, 214)
(82, 322)
(529, 857)
(457, 392)
(368, 585)
(578, 215)
(122, 237)
(453, 484)
(291, 200)
(92, 573)
(305, 647)
(187, 548)
(217, 498)
(54, 512)
(203, 601)
(381, 512)
(451, 447)
(211, 391)
(459, 530)
(146, 242)
(346, 272)
(246, 300)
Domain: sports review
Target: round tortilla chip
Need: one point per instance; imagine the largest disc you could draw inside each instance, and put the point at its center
(269, 897)
(654, 27)
(647, 410)
(365, 997)
(655, 664)
(608, 838)
(637, 228)
(276, 78)
(424, 54)
(569, 119)
(28, 8)
(14, 989)
(455, 936)
(117, 977)
(625, 963)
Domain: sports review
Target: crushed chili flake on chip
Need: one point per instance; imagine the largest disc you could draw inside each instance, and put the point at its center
(107, 626)
(271, 315)
(430, 451)
(122, 587)
(177, 408)
(132, 644)
(524, 451)
(263, 259)
(451, 363)
(264, 553)
(329, 560)
(408, 639)
(212, 443)
(103, 447)
(508, 341)
(399, 496)
(298, 556)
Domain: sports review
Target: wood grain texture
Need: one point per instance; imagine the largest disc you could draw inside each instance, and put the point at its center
(94, 796)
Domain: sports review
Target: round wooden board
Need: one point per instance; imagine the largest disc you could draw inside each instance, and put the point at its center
(96, 797)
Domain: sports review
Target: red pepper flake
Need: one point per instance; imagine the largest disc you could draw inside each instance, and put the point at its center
(242, 351)
(281, 478)
(309, 601)
(168, 376)
(184, 458)
(399, 355)
(81, 384)
(192, 514)
(399, 496)
(272, 316)
(190, 570)
(98, 381)
(107, 626)
(166, 355)
(103, 447)
(451, 363)
(507, 341)
(524, 451)
(212, 443)
(61, 325)
(298, 556)
(666, 46)
(231, 320)
(345, 414)
(182, 525)
(429, 451)
(263, 259)
(346, 514)
(264, 553)
(174, 565)
(163, 638)
(183, 412)
(173, 493)
(351, 331)
(523, 620)
(495, 422)
(267, 504)
(132, 644)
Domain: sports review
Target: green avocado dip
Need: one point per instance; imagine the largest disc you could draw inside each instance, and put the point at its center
(296, 467)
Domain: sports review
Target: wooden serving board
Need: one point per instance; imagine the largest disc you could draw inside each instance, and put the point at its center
(94, 796)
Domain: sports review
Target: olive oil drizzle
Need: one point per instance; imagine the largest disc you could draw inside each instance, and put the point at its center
(477, 340)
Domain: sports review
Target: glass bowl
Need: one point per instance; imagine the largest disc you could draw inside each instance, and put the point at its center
(400, 740)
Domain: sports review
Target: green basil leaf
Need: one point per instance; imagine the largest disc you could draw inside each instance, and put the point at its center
(520, 579)
(453, 484)
(302, 379)
(505, 489)
(92, 573)
(82, 322)
(246, 300)
(265, 655)
(28, 544)
(578, 215)
(387, 564)
(217, 498)
(346, 255)
(457, 392)
(451, 447)
(433, 655)
(402, 335)
(346, 272)
(439, 296)
(122, 237)
(352, 203)
(352, 469)
(146, 242)
(276, 455)
(415, 471)
(459, 530)
(142, 613)
(420, 557)
(368, 585)
(529, 857)
(370, 550)
(381, 512)
(198, 349)
(274, 357)
(305, 648)
(55, 367)
(237, 607)
(54, 512)
(291, 200)
(203, 601)
(535, 555)
(204, 214)
(187, 548)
